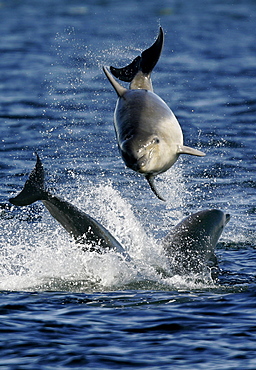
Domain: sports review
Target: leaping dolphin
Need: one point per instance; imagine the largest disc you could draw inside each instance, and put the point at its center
(82, 227)
(191, 244)
(149, 136)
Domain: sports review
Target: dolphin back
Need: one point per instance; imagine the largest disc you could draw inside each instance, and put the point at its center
(190, 246)
(82, 227)
(33, 189)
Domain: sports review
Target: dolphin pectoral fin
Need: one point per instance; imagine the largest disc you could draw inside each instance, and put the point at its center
(120, 90)
(182, 149)
(33, 189)
(144, 63)
(150, 180)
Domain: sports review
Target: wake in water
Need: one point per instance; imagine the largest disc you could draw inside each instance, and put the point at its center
(40, 256)
(36, 253)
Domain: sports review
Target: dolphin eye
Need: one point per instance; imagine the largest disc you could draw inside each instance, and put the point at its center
(156, 140)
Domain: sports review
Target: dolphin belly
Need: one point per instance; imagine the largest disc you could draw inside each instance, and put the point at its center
(146, 127)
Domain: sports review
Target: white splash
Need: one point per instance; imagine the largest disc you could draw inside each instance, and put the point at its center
(38, 254)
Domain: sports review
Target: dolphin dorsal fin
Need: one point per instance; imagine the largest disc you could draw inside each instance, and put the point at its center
(182, 149)
(120, 90)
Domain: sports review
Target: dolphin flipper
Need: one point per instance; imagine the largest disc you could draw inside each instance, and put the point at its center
(182, 149)
(144, 63)
(150, 180)
(33, 189)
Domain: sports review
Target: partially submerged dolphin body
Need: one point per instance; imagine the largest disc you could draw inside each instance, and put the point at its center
(190, 246)
(82, 227)
(149, 136)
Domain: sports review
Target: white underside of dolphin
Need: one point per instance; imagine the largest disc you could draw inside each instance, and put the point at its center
(149, 136)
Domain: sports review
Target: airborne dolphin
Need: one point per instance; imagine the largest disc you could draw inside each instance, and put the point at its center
(149, 136)
(190, 246)
(82, 227)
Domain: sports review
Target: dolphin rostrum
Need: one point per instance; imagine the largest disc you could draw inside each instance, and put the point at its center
(149, 136)
(191, 244)
(82, 227)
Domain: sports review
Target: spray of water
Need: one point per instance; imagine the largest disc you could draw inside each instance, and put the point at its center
(36, 253)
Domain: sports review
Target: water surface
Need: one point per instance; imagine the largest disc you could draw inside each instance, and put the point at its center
(61, 308)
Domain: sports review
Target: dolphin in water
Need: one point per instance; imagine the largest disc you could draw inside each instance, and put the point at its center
(190, 247)
(82, 227)
(149, 136)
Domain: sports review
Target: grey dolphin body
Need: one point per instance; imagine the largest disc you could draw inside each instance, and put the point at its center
(149, 136)
(82, 227)
(190, 246)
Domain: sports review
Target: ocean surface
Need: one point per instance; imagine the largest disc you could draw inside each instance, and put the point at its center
(61, 308)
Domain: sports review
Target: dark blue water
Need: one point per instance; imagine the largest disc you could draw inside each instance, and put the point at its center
(64, 309)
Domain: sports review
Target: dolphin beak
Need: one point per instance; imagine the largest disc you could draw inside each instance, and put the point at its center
(133, 158)
(138, 165)
(141, 162)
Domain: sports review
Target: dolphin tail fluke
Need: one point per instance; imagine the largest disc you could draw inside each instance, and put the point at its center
(182, 149)
(150, 180)
(34, 187)
(129, 72)
(144, 63)
(150, 56)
